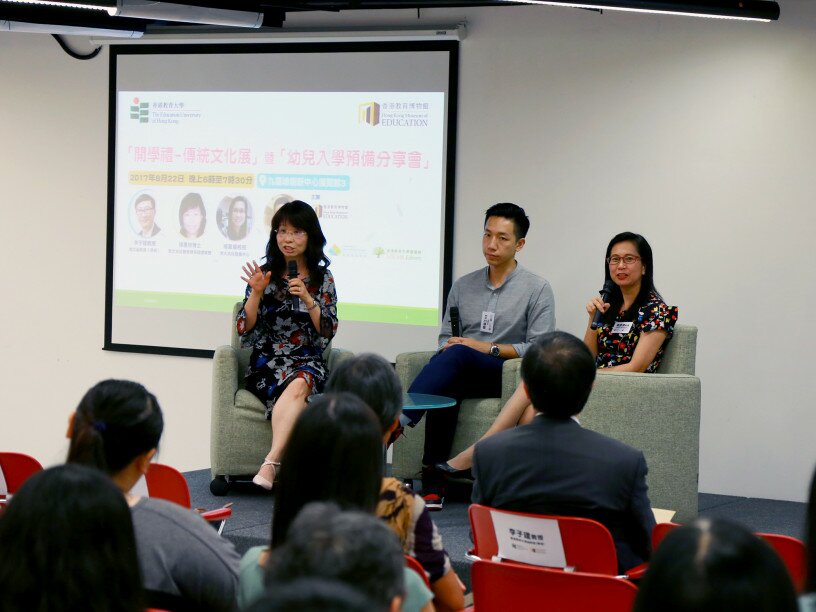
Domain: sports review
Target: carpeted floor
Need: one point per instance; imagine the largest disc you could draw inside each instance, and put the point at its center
(252, 516)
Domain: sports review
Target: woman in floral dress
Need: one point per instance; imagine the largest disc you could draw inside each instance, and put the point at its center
(288, 323)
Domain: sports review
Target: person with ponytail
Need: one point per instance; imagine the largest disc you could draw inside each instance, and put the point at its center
(116, 428)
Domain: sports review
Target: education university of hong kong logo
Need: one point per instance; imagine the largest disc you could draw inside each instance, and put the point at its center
(140, 111)
(368, 112)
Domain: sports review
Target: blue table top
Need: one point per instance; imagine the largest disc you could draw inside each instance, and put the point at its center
(423, 401)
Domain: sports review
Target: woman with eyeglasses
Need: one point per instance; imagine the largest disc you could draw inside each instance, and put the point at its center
(632, 333)
(288, 322)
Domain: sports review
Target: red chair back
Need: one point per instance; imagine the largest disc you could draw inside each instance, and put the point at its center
(165, 482)
(412, 563)
(16, 468)
(660, 531)
(793, 554)
(588, 545)
(498, 587)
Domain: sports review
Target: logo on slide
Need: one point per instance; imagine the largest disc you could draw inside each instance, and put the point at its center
(139, 111)
(368, 112)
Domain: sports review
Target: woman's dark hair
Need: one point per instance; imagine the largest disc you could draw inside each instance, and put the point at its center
(240, 232)
(373, 380)
(646, 282)
(715, 566)
(300, 215)
(810, 535)
(67, 544)
(115, 422)
(334, 453)
(189, 202)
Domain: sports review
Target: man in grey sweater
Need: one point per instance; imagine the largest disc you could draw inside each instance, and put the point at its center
(503, 308)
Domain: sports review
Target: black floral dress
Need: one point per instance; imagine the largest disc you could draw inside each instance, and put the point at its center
(285, 344)
(617, 348)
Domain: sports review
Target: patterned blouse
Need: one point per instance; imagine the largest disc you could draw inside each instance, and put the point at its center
(617, 348)
(285, 344)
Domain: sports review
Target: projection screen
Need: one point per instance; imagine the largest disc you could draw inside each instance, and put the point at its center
(363, 132)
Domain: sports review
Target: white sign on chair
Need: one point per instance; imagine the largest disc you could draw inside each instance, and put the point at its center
(526, 539)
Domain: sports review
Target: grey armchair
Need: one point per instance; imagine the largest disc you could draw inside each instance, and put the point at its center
(239, 432)
(657, 413)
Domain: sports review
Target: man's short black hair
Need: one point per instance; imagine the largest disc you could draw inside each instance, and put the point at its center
(559, 371)
(350, 546)
(513, 212)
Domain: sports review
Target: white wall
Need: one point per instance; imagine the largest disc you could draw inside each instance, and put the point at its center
(696, 133)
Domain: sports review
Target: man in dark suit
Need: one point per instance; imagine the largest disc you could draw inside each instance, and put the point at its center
(554, 466)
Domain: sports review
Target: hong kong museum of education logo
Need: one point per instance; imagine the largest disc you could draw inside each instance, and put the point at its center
(140, 111)
(405, 113)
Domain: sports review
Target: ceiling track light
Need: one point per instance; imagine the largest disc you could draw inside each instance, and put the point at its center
(748, 10)
(34, 18)
(187, 13)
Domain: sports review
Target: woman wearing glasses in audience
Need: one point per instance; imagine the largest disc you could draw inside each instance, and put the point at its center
(288, 323)
(634, 328)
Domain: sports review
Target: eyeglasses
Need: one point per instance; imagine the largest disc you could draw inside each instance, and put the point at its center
(296, 234)
(144, 210)
(627, 260)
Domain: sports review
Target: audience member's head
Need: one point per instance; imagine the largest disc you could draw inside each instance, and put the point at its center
(810, 537)
(116, 428)
(66, 543)
(718, 566)
(372, 379)
(350, 546)
(558, 371)
(334, 453)
(313, 595)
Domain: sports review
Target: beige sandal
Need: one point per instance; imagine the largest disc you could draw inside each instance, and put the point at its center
(263, 482)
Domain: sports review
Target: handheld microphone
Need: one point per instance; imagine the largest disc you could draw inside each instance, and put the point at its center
(456, 326)
(293, 274)
(605, 292)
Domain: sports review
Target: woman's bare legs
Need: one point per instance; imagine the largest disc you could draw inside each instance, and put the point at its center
(517, 411)
(287, 410)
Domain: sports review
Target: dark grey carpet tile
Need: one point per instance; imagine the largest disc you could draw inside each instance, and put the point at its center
(706, 501)
(766, 515)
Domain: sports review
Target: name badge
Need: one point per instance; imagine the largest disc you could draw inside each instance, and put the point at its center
(487, 321)
(622, 327)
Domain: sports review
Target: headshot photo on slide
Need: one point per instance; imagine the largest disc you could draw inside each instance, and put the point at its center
(234, 217)
(274, 206)
(143, 215)
(192, 216)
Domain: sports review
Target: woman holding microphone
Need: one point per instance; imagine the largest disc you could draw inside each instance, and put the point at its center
(288, 319)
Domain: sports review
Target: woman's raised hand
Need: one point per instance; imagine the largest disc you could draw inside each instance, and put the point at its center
(254, 277)
(596, 303)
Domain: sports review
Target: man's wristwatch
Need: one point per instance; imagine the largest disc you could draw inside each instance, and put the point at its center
(494, 350)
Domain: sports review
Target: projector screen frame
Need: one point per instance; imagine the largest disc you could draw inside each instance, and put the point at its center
(449, 46)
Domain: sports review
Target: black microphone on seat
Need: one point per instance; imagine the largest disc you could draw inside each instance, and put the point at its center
(456, 326)
(293, 274)
(605, 292)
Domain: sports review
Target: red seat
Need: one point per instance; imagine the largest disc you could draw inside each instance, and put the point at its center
(165, 482)
(499, 587)
(588, 545)
(415, 565)
(16, 468)
(793, 554)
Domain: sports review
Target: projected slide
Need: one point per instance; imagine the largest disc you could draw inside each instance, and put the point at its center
(369, 163)
(207, 146)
